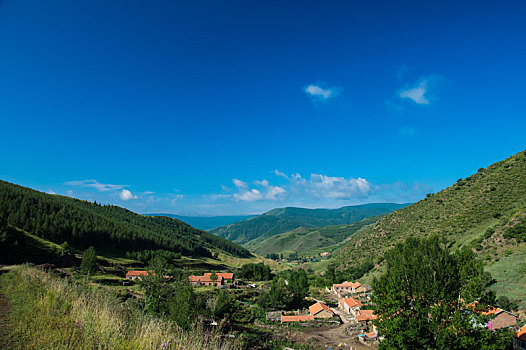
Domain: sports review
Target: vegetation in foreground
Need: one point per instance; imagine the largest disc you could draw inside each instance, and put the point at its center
(423, 300)
(48, 312)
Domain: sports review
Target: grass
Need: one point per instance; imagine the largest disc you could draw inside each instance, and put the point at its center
(510, 273)
(47, 312)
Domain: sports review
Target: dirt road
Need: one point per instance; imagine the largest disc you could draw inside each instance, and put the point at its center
(327, 337)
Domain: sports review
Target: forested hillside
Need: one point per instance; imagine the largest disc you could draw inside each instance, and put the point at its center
(80, 223)
(486, 211)
(285, 219)
(308, 241)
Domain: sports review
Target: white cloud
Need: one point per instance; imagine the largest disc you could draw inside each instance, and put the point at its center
(70, 193)
(95, 184)
(424, 91)
(239, 183)
(263, 183)
(126, 195)
(417, 94)
(324, 187)
(317, 92)
(51, 192)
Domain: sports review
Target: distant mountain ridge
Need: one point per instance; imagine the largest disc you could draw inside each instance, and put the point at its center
(308, 241)
(486, 212)
(207, 222)
(281, 220)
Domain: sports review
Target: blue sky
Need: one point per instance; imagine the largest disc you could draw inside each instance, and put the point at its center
(236, 107)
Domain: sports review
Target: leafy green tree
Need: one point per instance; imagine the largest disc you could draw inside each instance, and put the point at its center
(298, 287)
(224, 303)
(279, 296)
(89, 263)
(168, 293)
(420, 299)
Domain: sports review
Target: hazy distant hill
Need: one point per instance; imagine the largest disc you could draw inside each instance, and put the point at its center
(207, 222)
(58, 219)
(486, 211)
(285, 219)
(308, 241)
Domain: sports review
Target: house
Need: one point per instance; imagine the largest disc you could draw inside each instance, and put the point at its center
(228, 277)
(519, 342)
(134, 275)
(365, 315)
(499, 318)
(296, 318)
(350, 305)
(371, 336)
(206, 280)
(320, 310)
(345, 288)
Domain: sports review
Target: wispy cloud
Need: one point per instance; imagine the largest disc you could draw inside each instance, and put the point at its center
(318, 93)
(95, 184)
(423, 90)
(406, 131)
(320, 186)
(126, 195)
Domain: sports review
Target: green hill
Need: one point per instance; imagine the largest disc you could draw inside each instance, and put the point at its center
(60, 219)
(285, 219)
(308, 241)
(486, 211)
(207, 222)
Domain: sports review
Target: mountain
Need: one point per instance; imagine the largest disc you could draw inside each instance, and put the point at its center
(308, 241)
(486, 212)
(81, 224)
(285, 219)
(206, 222)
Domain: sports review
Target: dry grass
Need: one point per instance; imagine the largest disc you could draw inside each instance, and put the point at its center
(48, 312)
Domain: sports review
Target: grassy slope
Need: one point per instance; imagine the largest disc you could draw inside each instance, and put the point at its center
(285, 219)
(47, 312)
(474, 212)
(307, 241)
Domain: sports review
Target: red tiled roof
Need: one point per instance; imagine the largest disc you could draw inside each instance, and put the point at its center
(343, 284)
(204, 279)
(371, 335)
(356, 285)
(225, 275)
(314, 309)
(521, 333)
(136, 273)
(351, 302)
(366, 315)
(296, 318)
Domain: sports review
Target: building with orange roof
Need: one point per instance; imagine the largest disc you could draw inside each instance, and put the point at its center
(133, 275)
(296, 318)
(350, 305)
(365, 315)
(320, 310)
(519, 342)
(228, 277)
(499, 318)
(206, 280)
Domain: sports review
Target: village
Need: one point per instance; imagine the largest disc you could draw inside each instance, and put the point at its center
(339, 316)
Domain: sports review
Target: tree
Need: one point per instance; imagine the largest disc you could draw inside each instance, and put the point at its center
(298, 287)
(223, 304)
(89, 262)
(421, 299)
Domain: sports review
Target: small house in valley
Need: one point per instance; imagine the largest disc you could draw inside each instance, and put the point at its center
(519, 342)
(350, 305)
(215, 279)
(365, 315)
(499, 318)
(320, 310)
(133, 275)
